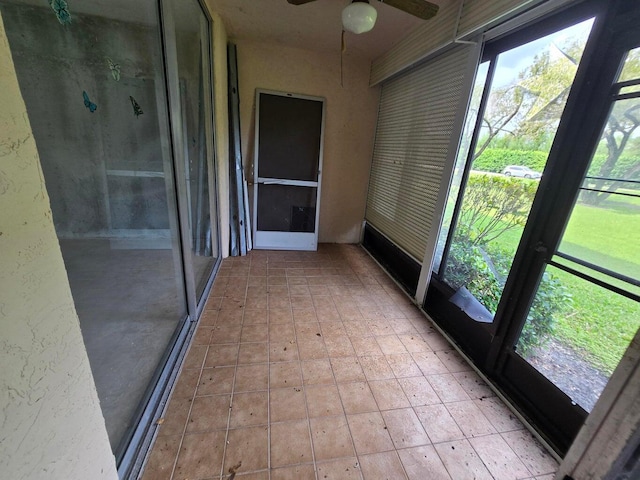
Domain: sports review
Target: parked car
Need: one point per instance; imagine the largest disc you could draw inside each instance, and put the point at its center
(520, 171)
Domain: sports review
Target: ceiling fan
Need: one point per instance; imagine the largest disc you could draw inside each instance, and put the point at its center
(360, 17)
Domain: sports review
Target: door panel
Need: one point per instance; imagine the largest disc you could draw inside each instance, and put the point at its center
(287, 208)
(189, 55)
(537, 347)
(287, 171)
(524, 99)
(290, 131)
(596, 267)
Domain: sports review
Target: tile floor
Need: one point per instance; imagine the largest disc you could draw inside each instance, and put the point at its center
(314, 365)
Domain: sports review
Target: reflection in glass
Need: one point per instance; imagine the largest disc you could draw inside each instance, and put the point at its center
(631, 67)
(461, 160)
(194, 72)
(524, 104)
(109, 177)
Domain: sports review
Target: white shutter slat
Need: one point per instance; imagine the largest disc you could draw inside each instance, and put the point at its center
(413, 137)
(428, 37)
(477, 14)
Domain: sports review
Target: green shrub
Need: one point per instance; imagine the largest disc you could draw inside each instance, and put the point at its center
(483, 272)
(552, 300)
(495, 159)
(492, 206)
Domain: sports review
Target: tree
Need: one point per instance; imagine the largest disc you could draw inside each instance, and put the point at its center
(550, 81)
(527, 111)
(503, 109)
(623, 122)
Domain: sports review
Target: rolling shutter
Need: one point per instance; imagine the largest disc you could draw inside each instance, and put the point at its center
(432, 35)
(413, 138)
(479, 14)
(459, 19)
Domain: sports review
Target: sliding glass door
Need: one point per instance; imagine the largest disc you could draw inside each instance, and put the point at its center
(536, 273)
(521, 108)
(188, 50)
(130, 175)
(592, 278)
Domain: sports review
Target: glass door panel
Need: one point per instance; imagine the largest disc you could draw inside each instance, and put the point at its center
(95, 96)
(579, 345)
(193, 59)
(523, 102)
(459, 170)
(587, 307)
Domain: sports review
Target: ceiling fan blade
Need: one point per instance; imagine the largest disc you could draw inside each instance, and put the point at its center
(300, 2)
(419, 8)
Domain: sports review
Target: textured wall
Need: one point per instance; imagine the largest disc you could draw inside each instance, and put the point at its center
(51, 425)
(351, 112)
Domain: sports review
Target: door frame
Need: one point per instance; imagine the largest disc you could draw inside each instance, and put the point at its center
(491, 346)
(586, 114)
(132, 456)
(274, 240)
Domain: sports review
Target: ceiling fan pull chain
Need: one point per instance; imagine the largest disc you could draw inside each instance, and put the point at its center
(343, 48)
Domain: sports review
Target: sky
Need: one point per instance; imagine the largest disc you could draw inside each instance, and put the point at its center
(512, 62)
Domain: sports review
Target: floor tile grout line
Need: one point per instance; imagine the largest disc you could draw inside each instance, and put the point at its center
(300, 262)
(447, 339)
(193, 397)
(233, 388)
(357, 455)
(268, 377)
(306, 402)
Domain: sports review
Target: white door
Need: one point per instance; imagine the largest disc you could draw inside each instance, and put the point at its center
(287, 170)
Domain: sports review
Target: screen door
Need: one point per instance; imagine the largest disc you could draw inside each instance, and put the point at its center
(287, 171)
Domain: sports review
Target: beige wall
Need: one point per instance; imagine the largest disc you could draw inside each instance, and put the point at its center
(221, 126)
(351, 112)
(51, 425)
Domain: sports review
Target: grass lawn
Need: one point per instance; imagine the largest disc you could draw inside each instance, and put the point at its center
(602, 323)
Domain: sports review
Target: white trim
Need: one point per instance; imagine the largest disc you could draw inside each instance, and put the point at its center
(285, 181)
(523, 18)
(285, 240)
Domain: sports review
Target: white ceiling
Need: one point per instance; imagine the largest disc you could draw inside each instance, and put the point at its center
(313, 26)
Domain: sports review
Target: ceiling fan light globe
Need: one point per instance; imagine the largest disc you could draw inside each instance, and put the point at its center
(359, 17)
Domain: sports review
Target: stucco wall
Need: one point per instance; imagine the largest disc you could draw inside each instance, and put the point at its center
(51, 425)
(351, 111)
